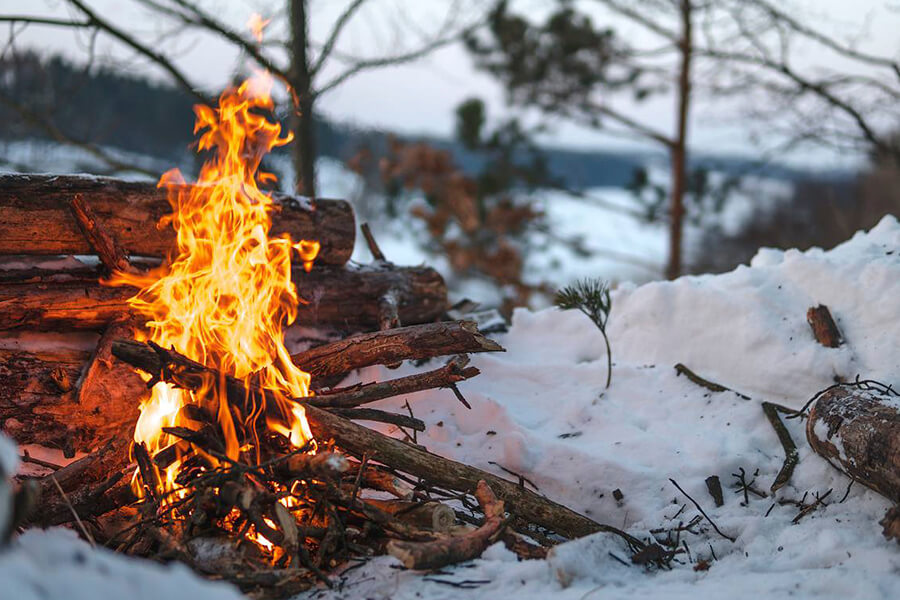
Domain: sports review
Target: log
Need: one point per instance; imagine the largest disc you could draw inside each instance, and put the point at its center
(343, 299)
(36, 218)
(857, 429)
(393, 345)
(71, 400)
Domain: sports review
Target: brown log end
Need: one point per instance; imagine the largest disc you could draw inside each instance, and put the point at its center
(823, 326)
(857, 429)
(891, 524)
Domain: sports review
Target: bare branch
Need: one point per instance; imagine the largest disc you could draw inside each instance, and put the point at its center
(335, 34)
(387, 61)
(53, 131)
(44, 21)
(140, 48)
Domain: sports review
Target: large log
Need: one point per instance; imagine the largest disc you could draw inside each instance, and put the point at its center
(68, 399)
(857, 429)
(36, 217)
(394, 345)
(345, 299)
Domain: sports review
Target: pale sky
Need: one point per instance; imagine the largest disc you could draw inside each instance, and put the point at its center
(421, 97)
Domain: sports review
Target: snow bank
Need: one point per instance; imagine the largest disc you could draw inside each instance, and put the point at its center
(541, 409)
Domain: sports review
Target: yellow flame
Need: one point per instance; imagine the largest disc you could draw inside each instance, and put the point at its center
(225, 296)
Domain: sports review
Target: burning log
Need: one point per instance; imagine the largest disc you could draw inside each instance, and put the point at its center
(37, 218)
(358, 440)
(343, 299)
(440, 553)
(393, 345)
(856, 428)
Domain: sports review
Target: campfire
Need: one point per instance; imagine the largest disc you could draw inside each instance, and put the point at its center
(243, 461)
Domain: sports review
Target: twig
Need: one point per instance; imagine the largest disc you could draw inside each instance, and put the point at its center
(711, 386)
(377, 254)
(694, 502)
(81, 526)
(790, 449)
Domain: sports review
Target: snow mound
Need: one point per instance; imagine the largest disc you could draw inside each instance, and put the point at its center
(540, 409)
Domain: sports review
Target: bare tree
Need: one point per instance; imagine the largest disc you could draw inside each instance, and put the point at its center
(307, 68)
(736, 53)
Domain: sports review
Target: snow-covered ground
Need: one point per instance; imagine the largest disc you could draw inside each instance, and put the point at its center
(541, 409)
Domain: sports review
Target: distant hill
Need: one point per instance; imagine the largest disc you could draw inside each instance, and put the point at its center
(132, 113)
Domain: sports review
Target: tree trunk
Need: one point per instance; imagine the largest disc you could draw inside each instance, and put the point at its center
(678, 151)
(857, 429)
(304, 149)
(36, 217)
(342, 299)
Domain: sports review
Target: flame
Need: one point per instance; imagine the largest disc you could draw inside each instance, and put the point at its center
(226, 294)
(256, 24)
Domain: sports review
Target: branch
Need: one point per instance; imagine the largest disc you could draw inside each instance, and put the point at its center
(54, 132)
(156, 57)
(204, 19)
(335, 33)
(387, 61)
(782, 17)
(44, 21)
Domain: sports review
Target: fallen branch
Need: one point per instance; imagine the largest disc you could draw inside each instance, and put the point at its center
(111, 254)
(790, 449)
(711, 386)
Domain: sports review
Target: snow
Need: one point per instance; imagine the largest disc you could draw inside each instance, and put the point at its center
(541, 409)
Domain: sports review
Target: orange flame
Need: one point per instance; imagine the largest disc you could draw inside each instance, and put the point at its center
(225, 296)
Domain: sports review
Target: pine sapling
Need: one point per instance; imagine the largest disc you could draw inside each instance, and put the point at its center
(590, 296)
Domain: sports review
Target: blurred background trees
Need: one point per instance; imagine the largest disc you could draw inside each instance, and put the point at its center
(509, 213)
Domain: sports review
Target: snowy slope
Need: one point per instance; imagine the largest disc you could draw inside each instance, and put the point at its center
(745, 329)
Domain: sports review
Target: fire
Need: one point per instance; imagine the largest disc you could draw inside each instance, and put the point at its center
(226, 294)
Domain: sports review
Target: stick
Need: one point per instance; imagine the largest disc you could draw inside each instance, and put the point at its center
(790, 449)
(702, 512)
(450, 373)
(456, 549)
(65, 498)
(380, 416)
(108, 249)
(393, 345)
(711, 386)
(376, 252)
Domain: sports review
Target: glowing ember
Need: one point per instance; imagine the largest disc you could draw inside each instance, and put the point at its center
(225, 296)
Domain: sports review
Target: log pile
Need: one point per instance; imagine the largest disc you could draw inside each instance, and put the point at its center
(248, 506)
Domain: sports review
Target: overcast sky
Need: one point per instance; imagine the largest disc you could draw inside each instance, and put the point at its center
(420, 97)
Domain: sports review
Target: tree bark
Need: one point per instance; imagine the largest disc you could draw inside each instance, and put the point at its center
(824, 328)
(342, 299)
(858, 431)
(36, 217)
(394, 345)
(304, 150)
(678, 152)
(70, 400)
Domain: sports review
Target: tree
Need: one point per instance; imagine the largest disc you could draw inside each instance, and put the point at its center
(298, 61)
(567, 66)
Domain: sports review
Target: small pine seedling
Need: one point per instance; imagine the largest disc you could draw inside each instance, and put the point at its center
(590, 296)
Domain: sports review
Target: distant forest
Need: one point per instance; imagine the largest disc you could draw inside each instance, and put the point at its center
(111, 108)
